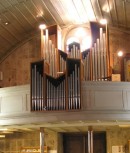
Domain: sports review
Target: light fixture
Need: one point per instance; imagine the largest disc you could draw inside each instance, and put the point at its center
(42, 26)
(103, 21)
(6, 23)
(120, 53)
(40, 14)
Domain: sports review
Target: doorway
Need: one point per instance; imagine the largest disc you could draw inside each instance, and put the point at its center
(78, 142)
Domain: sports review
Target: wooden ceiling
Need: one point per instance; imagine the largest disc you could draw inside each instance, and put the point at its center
(19, 19)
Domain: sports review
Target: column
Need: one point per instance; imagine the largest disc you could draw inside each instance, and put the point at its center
(41, 140)
(90, 139)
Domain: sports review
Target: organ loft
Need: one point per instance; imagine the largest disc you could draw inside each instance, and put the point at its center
(56, 77)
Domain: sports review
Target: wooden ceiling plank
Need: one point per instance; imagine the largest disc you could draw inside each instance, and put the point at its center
(31, 9)
(76, 9)
(13, 2)
(44, 3)
(63, 11)
(5, 39)
(124, 11)
(113, 16)
(110, 14)
(10, 32)
(105, 10)
(13, 28)
(15, 22)
(115, 9)
(10, 28)
(94, 10)
(15, 17)
(127, 6)
(20, 18)
(25, 14)
(4, 32)
(4, 42)
(120, 13)
(100, 9)
(52, 12)
(5, 4)
(39, 12)
(43, 9)
(2, 9)
(21, 4)
(90, 6)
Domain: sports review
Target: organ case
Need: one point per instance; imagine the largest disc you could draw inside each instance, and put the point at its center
(56, 79)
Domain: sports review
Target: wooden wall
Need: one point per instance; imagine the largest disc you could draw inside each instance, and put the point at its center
(16, 67)
(13, 143)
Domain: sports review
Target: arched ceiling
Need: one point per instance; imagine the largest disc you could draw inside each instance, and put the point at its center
(19, 19)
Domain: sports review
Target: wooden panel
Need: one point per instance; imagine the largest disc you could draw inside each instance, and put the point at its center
(99, 142)
(128, 99)
(106, 95)
(73, 144)
(77, 143)
(14, 100)
(108, 100)
(12, 103)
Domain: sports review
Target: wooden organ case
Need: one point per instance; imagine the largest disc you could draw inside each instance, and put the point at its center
(56, 78)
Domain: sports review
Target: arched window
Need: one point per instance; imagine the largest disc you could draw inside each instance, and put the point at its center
(80, 35)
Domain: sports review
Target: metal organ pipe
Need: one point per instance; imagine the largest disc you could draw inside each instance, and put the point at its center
(95, 62)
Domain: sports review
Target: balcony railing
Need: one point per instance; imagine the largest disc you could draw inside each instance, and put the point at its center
(96, 96)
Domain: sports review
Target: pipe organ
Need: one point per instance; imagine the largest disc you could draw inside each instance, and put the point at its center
(56, 78)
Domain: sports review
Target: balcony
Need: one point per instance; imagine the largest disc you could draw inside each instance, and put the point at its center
(100, 100)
